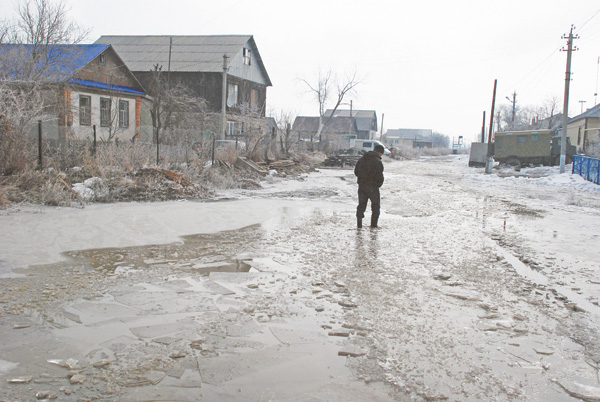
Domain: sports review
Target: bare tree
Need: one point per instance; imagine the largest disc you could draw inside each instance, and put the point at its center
(173, 106)
(30, 67)
(254, 131)
(328, 86)
(284, 121)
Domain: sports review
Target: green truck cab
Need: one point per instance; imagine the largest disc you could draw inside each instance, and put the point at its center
(537, 147)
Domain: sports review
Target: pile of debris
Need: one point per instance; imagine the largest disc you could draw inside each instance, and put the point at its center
(345, 158)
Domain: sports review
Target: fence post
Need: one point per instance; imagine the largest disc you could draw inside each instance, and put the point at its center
(40, 155)
(94, 150)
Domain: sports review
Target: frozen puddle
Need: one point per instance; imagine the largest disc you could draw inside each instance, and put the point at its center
(577, 301)
(207, 318)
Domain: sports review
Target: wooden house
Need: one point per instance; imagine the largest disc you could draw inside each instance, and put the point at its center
(94, 88)
(199, 63)
(585, 128)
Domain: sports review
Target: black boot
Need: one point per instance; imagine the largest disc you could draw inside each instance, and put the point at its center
(359, 223)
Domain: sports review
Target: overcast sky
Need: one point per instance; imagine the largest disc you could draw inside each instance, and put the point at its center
(426, 64)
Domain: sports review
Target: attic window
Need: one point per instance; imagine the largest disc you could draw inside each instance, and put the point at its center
(102, 59)
(246, 56)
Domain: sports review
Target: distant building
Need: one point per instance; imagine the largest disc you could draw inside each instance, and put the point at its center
(366, 121)
(408, 138)
(337, 131)
(308, 126)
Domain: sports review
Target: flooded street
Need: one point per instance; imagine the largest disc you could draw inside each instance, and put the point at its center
(476, 287)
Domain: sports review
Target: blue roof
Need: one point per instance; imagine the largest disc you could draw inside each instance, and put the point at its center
(104, 85)
(60, 63)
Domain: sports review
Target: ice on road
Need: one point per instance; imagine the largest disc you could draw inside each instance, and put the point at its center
(477, 287)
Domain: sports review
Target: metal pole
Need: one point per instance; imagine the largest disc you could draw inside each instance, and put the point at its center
(157, 146)
(224, 99)
(213, 151)
(95, 140)
(40, 156)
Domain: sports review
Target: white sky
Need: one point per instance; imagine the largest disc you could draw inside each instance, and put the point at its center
(427, 64)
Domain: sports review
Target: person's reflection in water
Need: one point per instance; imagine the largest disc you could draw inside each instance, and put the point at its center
(366, 249)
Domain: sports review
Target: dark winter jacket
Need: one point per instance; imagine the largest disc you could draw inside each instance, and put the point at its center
(369, 170)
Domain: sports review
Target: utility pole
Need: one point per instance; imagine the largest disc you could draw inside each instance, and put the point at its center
(565, 117)
(514, 102)
(224, 99)
(490, 161)
(582, 102)
(483, 129)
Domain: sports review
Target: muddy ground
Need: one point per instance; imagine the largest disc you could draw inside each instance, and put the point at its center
(475, 288)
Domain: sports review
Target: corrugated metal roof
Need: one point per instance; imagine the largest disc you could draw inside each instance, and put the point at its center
(60, 63)
(188, 53)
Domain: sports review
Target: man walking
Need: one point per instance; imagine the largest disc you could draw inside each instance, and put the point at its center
(369, 173)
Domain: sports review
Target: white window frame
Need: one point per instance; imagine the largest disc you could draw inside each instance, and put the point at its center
(123, 113)
(105, 113)
(232, 94)
(85, 111)
(246, 56)
(232, 128)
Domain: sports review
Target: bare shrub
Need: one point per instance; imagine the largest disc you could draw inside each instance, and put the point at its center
(55, 193)
(37, 187)
(111, 157)
(227, 154)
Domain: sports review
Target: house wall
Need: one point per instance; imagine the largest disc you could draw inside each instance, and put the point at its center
(113, 71)
(582, 132)
(81, 131)
(240, 70)
(208, 86)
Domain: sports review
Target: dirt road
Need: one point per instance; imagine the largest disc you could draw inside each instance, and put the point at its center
(475, 288)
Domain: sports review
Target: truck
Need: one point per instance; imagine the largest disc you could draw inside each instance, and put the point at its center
(535, 147)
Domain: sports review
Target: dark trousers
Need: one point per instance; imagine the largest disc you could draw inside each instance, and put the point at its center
(366, 194)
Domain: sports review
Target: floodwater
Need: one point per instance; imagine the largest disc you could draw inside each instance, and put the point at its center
(472, 290)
